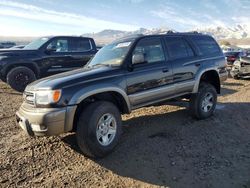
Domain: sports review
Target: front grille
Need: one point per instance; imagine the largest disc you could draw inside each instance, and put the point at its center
(29, 98)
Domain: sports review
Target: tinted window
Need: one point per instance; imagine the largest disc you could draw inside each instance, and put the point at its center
(151, 48)
(206, 45)
(178, 48)
(79, 45)
(60, 45)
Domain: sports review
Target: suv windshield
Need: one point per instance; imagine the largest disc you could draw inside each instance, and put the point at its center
(36, 44)
(111, 54)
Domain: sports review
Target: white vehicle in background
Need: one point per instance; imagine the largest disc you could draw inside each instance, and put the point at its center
(241, 68)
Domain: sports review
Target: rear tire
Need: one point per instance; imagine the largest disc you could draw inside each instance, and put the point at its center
(203, 103)
(94, 137)
(19, 77)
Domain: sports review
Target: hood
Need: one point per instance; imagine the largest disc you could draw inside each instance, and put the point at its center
(15, 52)
(67, 79)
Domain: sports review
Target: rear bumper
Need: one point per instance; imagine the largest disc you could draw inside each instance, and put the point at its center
(46, 121)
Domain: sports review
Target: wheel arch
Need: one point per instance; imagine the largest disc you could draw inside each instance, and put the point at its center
(31, 66)
(210, 76)
(112, 94)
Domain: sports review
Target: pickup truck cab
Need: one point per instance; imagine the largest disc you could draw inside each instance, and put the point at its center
(125, 75)
(43, 57)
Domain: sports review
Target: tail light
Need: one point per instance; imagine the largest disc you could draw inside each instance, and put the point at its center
(231, 58)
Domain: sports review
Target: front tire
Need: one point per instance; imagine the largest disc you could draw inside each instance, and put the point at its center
(203, 103)
(99, 129)
(19, 77)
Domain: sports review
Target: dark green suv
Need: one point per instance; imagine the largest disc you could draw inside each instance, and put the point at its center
(125, 75)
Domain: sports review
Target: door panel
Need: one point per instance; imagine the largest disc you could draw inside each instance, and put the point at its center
(184, 63)
(146, 82)
(69, 53)
(81, 51)
(149, 83)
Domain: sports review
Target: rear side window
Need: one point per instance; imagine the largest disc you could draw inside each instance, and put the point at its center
(178, 48)
(206, 45)
(79, 45)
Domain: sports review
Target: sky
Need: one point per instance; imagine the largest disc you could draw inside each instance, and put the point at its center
(76, 17)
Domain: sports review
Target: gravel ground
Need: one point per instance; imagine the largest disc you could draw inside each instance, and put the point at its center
(160, 146)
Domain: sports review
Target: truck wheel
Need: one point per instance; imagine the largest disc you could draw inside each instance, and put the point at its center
(19, 77)
(98, 129)
(203, 103)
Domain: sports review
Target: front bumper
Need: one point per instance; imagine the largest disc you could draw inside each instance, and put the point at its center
(45, 121)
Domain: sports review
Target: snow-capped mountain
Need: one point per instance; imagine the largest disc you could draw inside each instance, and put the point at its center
(236, 32)
(109, 35)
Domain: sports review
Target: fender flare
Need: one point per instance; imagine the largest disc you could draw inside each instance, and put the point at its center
(27, 64)
(198, 78)
(92, 90)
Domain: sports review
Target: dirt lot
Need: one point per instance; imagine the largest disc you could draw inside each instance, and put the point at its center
(160, 146)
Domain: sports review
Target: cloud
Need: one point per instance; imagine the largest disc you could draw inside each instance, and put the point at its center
(208, 4)
(173, 17)
(136, 1)
(188, 18)
(31, 12)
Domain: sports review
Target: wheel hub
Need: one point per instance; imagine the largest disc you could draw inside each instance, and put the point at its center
(207, 102)
(106, 129)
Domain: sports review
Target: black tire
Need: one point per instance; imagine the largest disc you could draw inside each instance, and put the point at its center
(198, 111)
(19, 77)
(86, 133)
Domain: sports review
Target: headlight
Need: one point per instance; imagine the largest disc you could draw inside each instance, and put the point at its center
(47, 97)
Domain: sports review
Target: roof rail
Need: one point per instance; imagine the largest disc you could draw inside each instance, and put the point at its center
(190, 32)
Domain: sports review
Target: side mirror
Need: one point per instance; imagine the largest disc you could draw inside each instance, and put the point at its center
(50, 49)
(138, 58)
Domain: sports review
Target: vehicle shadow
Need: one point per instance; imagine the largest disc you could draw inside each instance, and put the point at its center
(231, 84)
(173, 149)
(227, 91)
(10, 93)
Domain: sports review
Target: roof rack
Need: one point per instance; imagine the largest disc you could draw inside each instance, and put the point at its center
(190, 32)
(170, 32)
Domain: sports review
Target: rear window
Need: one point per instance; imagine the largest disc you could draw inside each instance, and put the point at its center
(206, 45)
(178, 48)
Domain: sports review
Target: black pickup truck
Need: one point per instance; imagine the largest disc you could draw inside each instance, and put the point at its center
(125, 75)
(43, 57)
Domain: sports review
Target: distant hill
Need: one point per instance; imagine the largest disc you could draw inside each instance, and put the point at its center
(239, 33)
(235, 34)
(18, 40)
(109, 35)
